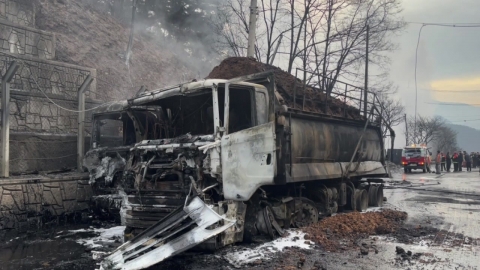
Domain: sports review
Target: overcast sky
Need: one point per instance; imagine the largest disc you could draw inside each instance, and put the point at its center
(448, 60)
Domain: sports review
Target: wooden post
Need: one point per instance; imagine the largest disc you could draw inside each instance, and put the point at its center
(5, 148)
(81, 122)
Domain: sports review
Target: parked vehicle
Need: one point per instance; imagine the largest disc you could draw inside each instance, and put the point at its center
(416, 157)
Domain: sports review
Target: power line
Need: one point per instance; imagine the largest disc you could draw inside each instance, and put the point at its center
(452, 104)
(416, 53)
(442, 23)
(455, 91)
(466, 120)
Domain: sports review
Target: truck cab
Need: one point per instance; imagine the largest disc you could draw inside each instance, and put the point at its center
(416, 157)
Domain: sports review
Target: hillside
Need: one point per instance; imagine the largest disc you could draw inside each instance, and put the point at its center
(93, 39)
(468, 138)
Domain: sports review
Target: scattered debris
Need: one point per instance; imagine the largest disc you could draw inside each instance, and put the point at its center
(352, 226)
(102, 236)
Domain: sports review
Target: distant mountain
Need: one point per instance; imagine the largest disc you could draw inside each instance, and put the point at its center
(468, 138)
(456, 113)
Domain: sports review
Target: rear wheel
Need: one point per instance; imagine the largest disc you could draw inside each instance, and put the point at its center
(361, 200)
(372, 195)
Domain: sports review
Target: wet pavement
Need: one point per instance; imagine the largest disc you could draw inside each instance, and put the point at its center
(442, 232)
(43, 250)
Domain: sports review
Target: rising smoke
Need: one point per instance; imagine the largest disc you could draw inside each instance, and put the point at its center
(181, 26)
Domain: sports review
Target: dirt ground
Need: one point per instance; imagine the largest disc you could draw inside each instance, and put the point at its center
(315, 99)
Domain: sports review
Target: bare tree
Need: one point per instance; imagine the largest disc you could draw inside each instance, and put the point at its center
(332, 32)
(393, 111)
(446, 140)
(346, 46)
(231, 26)
(427, 130)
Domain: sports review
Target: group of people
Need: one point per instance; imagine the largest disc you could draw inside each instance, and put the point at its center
(458, 159)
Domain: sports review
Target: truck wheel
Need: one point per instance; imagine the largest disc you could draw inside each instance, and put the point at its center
(405, 170)
(372, 195)
(380, 196)
(361, 200)
(424, 169)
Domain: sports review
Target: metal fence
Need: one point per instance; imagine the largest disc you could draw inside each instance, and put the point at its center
(345, 97)
(43, 112)
(23, 40)
(44, 95)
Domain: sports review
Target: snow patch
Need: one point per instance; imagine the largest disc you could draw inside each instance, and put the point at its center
(374, 209)
(104, 236)
(264, 251)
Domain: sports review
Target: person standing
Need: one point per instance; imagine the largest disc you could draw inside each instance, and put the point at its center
(460, 160)
(455, 162)
(448, 160)
(443, 168)
(438, 161)
(468, 161)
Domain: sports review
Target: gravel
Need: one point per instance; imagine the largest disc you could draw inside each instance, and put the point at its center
(349, 227)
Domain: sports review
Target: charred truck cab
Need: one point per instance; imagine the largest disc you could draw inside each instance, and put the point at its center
(228, 161)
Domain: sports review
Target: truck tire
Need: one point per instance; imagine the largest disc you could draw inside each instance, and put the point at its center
(424, 168)
(405, 169)
(361, 200)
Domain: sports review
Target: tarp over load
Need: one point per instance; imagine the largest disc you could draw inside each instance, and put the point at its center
(315, 98)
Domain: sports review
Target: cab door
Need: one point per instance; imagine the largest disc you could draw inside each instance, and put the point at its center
(248, 155)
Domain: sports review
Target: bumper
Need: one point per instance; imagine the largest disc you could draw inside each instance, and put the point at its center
(415, 166)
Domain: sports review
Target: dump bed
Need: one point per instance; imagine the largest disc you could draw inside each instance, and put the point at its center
(322, 148)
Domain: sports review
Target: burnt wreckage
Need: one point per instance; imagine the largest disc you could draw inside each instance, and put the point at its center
(215, 162)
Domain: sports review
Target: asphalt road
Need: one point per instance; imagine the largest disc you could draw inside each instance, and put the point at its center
(449, 202)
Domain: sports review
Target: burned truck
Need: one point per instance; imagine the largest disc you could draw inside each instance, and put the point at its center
(228, 160)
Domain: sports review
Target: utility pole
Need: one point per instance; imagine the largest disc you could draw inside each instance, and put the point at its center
(130, 41)
(252, 25)
(81, 121)
(366, 75)
(406, 129)
(305, 55)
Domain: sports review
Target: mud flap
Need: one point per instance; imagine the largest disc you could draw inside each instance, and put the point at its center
(183, 229)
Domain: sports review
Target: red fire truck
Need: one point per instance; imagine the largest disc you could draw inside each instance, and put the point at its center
(416, 157)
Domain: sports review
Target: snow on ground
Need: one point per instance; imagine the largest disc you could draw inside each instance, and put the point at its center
(374, 209)
(103, 236)
(264, 251)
